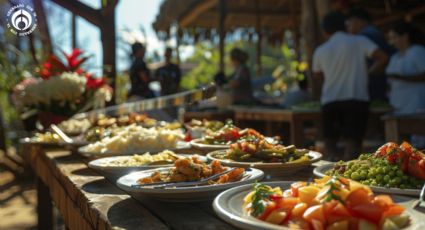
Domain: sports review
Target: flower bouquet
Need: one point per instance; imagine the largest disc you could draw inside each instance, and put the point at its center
(61, 90)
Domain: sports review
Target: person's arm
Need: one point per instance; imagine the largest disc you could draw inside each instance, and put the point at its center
(380, 59)
(414, 78)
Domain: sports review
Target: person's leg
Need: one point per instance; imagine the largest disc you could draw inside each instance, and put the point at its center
(355, 114)
(331, 130)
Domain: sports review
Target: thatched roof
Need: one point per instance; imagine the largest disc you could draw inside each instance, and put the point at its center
(199, 19)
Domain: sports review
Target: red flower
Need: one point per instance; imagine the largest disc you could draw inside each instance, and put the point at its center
(94, 83)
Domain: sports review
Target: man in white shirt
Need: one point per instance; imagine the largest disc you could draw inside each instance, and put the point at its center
(340, 65)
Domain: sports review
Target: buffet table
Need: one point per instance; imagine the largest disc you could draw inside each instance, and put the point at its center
(295, 118)
(87, 200)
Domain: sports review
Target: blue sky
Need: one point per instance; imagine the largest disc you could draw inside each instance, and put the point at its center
(130, 14)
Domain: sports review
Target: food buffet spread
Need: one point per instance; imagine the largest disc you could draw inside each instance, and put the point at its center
(249, 179)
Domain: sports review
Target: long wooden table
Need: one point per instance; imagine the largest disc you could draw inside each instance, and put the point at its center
(270, 116)
(398, 125)
(87, 200)
(295, 118)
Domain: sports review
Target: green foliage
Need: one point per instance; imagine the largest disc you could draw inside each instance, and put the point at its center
(11, 73)
(282, 59)
(206, 58)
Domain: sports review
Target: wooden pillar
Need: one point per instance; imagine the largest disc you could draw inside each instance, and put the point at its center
(74, 31)
(222, 31)
(310, 33)
(43, 26)
(107, 30)
(260, 38)
(2, 135)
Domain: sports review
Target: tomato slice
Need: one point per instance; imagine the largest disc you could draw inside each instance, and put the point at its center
(335, 212)
(296, 186)
(383, 200)
(317, 225)
(315, 213)
(287, 203)
(394, 210)
(368, 211)
(416, 167)
(357, 197)
(270, 206)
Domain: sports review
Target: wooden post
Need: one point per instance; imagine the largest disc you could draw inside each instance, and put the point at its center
(260, 37)
(44, 206)
(43, 26)
(2, 135)
(310, 33)
(107, 31)
(74, 30)
(222, 31)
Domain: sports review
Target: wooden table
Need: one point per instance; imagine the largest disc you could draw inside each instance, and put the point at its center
(87, 200)
(398, 125)
(209, 115)
(296, 119)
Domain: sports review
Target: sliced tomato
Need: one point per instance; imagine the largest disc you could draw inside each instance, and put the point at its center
(384, 201)
(270, 206)
(296, 186)
(299, 210)
(405, 146)
(287, 203)
(368, 211)
(394, 210)
(317, 225)
(314, 213)
(416, 167)
(335, 212)
(357, 197)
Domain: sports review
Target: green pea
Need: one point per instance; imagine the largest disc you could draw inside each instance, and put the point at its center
(387, 178)
(355, 176)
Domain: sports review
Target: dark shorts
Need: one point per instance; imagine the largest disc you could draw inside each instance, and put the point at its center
(346, 119)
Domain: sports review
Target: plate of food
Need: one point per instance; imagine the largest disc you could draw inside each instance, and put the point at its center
(327, 203)
(134, 139)
(117, 166)
(226, 136)
(189, 179)
(75, 127)
(197, 128)
(51, 139)
(273, 159)
(395, 169)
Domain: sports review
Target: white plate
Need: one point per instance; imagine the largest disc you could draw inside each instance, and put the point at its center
(77, 142)
(280, 169)
(228, 206)
(199, 144)
(320, 171)
(187, 194)
(84, 152)
(114, 172)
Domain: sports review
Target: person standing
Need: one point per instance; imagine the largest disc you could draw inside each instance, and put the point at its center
(339, 65)
(168, 75)
(359, 22)
(139, 74)
(240, 81)
(406, 72)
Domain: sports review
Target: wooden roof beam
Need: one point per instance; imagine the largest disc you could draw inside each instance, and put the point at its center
(88, 13)
(194, 13)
